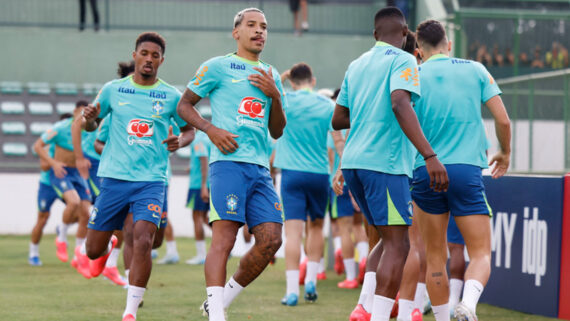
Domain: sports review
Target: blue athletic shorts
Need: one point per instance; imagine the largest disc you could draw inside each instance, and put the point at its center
(465, 194)
(453, 233)
(164, 215)
(244, 193)
(304, 194)
(341, 205)
(144, 199)
(94, 181)
(383, 198)
(195, 202)
(46, 197)
(71, 181)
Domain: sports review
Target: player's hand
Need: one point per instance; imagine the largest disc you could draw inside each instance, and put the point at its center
(499, 164)
(285, 75)
(83, 165)
(44, 165)
(172, 142)
(223, 139)
(59, 169)
(338, 182)
(438, 180)
(354, 204)
(205, 194)
(265, 82)
(90, 113)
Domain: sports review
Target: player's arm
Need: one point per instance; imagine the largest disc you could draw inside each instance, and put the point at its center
(341, 118)
(204, 191)
(411, 127)
(57, 166)
(501, 160)
(99, 145)
(90, 114)
(83, 164)
(265, 82)
(338, 141)
(186, 109)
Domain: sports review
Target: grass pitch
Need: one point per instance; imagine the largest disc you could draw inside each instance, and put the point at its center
(56, 291)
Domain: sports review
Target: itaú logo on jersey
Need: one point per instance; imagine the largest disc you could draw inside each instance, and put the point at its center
(140, 128)
(253, 107)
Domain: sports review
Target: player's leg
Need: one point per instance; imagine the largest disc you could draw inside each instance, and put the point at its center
(410, 276)
(421, 300)
(361, 240)
(111, 272)
(64, 187)
(128, 244)
(456, 246)
(46, 197)
(293, 239)
(171, 256)
(345, 212)
(199, 217)
(304, 15)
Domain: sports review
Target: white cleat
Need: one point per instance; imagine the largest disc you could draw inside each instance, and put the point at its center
(463, 313)
(169, 259)
(197, 260)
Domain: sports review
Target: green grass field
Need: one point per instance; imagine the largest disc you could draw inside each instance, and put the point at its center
(56, 291)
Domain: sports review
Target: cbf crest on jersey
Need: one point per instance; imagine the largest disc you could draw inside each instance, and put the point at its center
(157, 107)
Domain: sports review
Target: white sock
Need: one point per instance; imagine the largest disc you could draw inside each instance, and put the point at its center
(405, 308)
(362, 248)
(112, 260)
(62, 235)
(34, 250)
(367, 293)
(382, 308)
(337, 243)
(292, 277)
(312, 268)
(231, 291)
(201, 248)
(471, 293)
(134, 298)
(216, 303)
(349, 269)
(82, 248)
(171, 248)
(455, 287)
(321, 265)
(127, 271)
(441, 312)
(79, 241)
(420, 296)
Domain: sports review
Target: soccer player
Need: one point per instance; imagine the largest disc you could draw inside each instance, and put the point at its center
(67, 181)
(199, 193)
(46, 197)
(302, 156)
(134, 161)
(449, 112)
(246, 99)
(374, 102)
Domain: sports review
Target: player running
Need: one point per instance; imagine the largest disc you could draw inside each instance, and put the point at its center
(67, 181)
(450, 114)
(302, 156)
(134, 161)
(46, 196)
(199, 193)
(246, 99)
(374, 102)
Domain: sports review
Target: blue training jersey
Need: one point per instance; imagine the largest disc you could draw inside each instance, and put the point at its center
(449, 109)
(303, 146)
(237, 106)
(200, 147)
(376, 141)
(141, 116)
(44, 175)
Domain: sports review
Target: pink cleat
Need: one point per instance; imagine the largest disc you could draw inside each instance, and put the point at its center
(417, 315)
(112, 274)
(98, 265)
(348, 284)
(359, 314)
(129, 317)
(61, 250)
(303, 271)
(395, 307)
(82, 263)
(322, 276)
(361, 270)
(338, 264)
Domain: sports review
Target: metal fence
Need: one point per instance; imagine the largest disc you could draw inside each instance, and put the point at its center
(325, 16)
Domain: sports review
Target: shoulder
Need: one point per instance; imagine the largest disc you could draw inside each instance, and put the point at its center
(323, 99)
(169, 88)
(216, 62)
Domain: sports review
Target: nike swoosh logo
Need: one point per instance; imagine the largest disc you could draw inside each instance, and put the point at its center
(231, 286)
(155, 216)
(237, 80)
(123, 103)
(209, 295)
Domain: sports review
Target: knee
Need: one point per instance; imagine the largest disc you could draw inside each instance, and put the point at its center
(93, 251)
(143, 242)
(223, 245)
(158, 239)
(272, 245)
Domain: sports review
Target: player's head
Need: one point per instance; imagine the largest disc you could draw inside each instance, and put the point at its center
(431, 39)
(301, 75)
(65, 116)
(250, 30)
(148, 54)
(411, 46)
(125, 68)
(390, 26)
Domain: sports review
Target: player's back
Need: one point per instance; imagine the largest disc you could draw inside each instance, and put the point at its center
(303, 144)
(376, 141)
(449, 109)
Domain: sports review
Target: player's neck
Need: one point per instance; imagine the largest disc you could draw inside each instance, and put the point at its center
(395, 41)
(144, 81)
(435, 52)
(245, 54)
